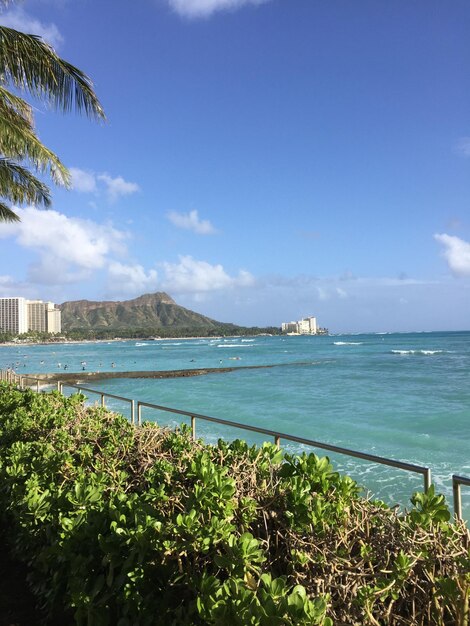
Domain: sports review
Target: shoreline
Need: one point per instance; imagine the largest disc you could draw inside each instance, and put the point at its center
(121, 339)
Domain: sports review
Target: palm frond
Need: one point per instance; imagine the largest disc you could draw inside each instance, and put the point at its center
(18, 185)
(12, 102)
(32, 65)
(18, 141)
(7, 215)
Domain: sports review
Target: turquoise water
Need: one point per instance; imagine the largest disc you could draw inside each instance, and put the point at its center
(402, 396)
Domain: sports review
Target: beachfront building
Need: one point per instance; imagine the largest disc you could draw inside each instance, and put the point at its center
(53, 318)
(13, 315)
(289, 327)
(36, 316)
(18, 315)
(305, 326)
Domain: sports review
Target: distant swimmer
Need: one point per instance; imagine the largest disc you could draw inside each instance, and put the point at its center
(66, 366)
(113, 364)
(59, 365)
(42, 362)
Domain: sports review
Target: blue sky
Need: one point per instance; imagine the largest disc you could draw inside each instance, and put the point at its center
(261, 161)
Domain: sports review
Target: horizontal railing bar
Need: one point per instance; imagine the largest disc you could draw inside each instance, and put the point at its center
(103, 393)
(310, 442)
(463, 480)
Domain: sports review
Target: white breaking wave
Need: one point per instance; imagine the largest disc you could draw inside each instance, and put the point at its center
(142, 344)
(425, 352)
(247, 340)
(348, 343)
(234, 345)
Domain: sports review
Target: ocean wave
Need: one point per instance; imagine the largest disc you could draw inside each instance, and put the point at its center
(142, 344)
(348, 343)
(247, 340)
(234, 345)
(424, 352)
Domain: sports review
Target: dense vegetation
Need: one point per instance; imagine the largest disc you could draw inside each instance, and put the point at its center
(85, 334)
(33, 336)
(135, 526)
(225, 330)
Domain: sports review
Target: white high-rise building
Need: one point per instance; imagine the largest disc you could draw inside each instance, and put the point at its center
(37, 315)
(18, 315)
(13, 315)
(306, 326)
(53, 318)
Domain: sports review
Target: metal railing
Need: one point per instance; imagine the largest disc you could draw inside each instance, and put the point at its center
(277, 436)
(456, 482)
(102, 395)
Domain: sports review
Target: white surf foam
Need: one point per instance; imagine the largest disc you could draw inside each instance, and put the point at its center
(423, 352)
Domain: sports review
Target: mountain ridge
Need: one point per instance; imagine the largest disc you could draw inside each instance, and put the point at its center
(148, 311)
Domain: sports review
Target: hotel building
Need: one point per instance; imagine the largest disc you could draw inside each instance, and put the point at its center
(13, 315)
(18, 315)
(306, 326)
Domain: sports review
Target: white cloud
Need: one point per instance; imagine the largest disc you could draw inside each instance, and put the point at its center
(463, 146)
(117, 187)
(191, 221)
(456, 252)
(86, 181)
(83, 181)
(205, 8)
(192, 276)
(131, 279)
(18, 19)
(69, 248)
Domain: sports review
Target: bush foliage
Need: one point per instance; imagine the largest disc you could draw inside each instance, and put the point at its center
(143, 526)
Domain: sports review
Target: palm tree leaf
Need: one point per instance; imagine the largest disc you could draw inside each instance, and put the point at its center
(9, 101)
(18, 185)
(18, 141)
(7, 215)
(32, 65)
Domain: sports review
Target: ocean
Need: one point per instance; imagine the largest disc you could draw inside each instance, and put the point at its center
(401, 396)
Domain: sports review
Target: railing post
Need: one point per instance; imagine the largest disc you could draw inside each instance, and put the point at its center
(457, 498)
(139, 414)
(427, 480)
(277, 441)
(133, 412)
(193, 427)
(37, 385)
(102, 400)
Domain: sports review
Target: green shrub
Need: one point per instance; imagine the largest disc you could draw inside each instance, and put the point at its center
(136, 526)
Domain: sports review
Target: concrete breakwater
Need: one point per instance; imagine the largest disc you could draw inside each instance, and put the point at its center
(75, 377)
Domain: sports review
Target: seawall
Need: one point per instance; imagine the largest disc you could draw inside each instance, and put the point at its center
(73, 377)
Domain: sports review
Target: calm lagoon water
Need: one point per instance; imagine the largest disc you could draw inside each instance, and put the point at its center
(402, 396)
